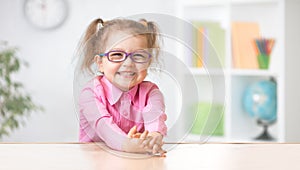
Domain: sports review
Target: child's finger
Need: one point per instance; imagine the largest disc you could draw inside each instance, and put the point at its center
(162, 152)
(131, 132)
(144, 134)
(137, 135)
(155, 149)
(152, 142)
(158, 150)
(146, 142)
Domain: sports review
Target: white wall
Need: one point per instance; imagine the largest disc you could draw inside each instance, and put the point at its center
(49, 79)
(292, 69)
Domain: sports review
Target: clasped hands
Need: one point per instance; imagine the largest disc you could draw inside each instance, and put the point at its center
(150, 142)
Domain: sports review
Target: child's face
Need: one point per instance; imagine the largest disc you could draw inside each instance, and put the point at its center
(124, 74)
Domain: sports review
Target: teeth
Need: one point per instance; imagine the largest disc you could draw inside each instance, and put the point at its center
(127, 73)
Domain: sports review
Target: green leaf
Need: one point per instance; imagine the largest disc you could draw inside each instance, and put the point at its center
(15, 103)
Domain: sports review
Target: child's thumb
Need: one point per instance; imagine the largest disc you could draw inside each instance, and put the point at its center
(131, 132)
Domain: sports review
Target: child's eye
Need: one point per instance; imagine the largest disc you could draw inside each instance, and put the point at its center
(140, 57)
(116, 55)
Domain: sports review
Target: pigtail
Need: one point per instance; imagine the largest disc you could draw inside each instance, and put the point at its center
(93, 28)
(89, 44)
(152, 34)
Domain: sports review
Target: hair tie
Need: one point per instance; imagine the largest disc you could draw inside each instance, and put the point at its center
(100, 24)
(144, 22)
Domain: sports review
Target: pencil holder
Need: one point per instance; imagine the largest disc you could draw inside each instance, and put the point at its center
(263, 61)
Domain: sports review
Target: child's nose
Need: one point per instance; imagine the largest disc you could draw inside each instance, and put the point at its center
(128, 61)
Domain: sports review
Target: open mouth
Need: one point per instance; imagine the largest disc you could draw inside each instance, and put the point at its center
(126, 74)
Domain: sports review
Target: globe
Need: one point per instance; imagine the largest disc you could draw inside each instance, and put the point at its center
(260, 102)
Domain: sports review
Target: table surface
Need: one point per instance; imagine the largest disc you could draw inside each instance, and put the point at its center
(95, 156)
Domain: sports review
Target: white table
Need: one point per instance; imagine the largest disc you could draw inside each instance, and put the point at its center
(211, 156)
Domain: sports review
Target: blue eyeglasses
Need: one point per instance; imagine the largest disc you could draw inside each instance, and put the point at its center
(116, 56)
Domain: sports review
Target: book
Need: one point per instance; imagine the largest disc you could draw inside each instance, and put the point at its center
(243, 35)
(210, 43)
(209, 119)
(197, 45)
(200, 47)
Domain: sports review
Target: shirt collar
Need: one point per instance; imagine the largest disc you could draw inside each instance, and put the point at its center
(113, 93)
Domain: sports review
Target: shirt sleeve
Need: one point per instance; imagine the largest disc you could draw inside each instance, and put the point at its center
(154, 113)
(100, 121)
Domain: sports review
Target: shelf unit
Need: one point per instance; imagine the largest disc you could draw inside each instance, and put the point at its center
(270, 15)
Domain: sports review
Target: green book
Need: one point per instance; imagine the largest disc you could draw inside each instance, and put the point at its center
(209, 119)
(214, 43)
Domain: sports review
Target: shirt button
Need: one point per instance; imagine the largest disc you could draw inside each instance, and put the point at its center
(125, 113)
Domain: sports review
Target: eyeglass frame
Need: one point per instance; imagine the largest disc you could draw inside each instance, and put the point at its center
(126, 56)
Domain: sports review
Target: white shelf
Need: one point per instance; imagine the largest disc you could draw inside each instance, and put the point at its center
(269, 14)
(203, 71)
(193, 138)
(203, 139)
(246, 2)
(233, 72)
(248, 72)
(202, 3)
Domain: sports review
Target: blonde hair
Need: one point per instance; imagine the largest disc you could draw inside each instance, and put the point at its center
(98, 33)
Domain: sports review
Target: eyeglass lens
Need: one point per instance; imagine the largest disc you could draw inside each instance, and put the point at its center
(138, 56)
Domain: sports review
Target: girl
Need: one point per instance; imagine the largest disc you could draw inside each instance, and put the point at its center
(118, 106)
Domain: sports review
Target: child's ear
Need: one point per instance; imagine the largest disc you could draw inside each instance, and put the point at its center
(99, 63)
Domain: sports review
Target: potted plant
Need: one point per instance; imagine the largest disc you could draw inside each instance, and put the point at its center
(15, 102)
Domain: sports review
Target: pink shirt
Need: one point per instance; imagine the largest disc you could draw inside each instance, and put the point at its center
(107, 113)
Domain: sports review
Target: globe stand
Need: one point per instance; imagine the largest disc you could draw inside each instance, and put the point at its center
(265, 134)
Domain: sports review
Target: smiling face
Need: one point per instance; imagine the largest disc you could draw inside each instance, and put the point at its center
(126, 74)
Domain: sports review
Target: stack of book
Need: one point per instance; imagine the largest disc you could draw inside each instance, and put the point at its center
(244, 53)
(208, 44)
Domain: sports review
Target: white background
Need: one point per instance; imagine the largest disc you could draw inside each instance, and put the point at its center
(49, 78)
